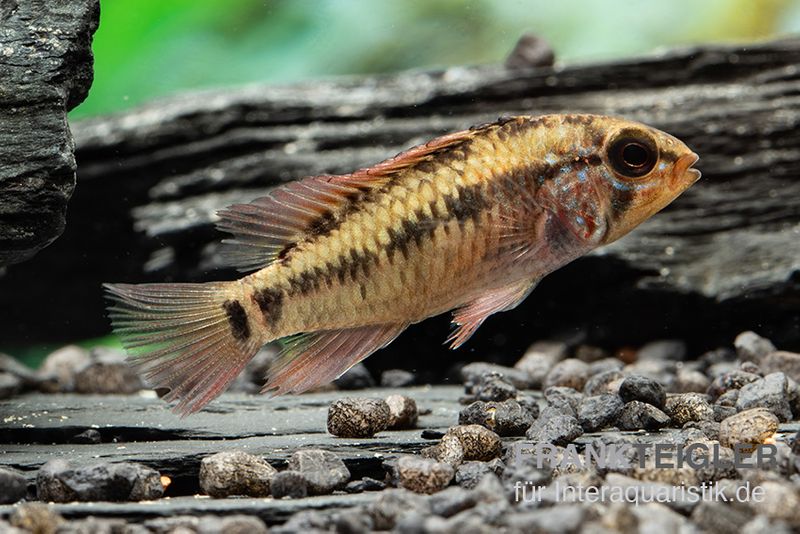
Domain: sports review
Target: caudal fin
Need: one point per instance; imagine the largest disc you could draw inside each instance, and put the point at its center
(190, 338)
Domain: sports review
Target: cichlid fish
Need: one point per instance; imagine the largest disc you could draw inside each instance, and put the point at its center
(468, 222)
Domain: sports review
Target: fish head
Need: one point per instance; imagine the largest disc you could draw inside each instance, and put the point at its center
(643, 170)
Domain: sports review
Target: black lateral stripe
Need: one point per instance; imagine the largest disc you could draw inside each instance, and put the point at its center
(270, 302)
(237, 318)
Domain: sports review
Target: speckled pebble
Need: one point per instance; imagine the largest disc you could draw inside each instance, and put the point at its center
(554, 428)
(479, 443)
(423, 475)
(571, 373)
(507, 418)
(235, 473)
(770, 392)
(403, 412)
(353, 417)
(638, 415)
(685, 407)
(323, 470)
(604, 382)
(750, 426)
(599, 411)
(62, 481)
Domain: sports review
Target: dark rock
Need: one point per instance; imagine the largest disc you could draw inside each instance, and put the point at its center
(58, 481)
(231, 524)
(690, 381)
(750, 347)
(685, 407)
(667, 349)
(452, 500)
(397, 378)
(357, 377)
(530, 51)
(37, 518)
(603, 382)
(571, 373)
(323, 470)
(62, 365)
(478, 442)
(475, 373)
(644, 389)
(729, 398)
(10, 385)
(290, 484)
(769, 392)
(606, 364)
(507, 418)
(364, 484)
(637, 415)
(358, 417)
(393, 504)
(722, 412)
(423, 475)
(403, 412)
(107, 372)
(782, 361)
(235, 473)
(13, 486)
(539, 359)
(554, 428)
(46, 63)
(732, 380)
(469, 474)
(90, 436)
(493, 388)
(710, 429)
(429, 433)
(599, 411)
(750, 426)
(564, 399)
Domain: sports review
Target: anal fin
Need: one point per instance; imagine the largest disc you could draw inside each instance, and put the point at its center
(469, 317)
(317, 358)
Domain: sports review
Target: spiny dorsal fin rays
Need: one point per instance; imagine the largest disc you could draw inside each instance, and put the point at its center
(273, 224)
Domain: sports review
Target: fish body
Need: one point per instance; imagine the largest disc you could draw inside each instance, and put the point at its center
(468, 222)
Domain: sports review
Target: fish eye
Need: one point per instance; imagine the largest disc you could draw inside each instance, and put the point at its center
(632, 155)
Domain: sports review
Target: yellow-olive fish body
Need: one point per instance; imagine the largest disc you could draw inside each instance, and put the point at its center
(468, 222)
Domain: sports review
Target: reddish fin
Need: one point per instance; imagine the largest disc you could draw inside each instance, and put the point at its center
(269, 225)
(180, 337)
(317, 358)
(469, 318)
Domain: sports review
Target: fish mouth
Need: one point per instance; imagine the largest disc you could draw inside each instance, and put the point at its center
(683, 173)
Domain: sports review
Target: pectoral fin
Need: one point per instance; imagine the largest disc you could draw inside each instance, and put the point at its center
(469, 317)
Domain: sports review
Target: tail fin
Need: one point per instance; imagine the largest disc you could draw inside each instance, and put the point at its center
(190, 338)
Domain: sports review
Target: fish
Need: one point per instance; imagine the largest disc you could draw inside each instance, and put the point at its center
(340, 265)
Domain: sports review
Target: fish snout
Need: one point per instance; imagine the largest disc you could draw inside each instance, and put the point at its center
(683, 175)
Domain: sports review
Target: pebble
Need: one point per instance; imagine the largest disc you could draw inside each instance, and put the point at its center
(107, 372)
(530, 404)
(98, 525)
(750, 426)
(60, 481)
(661, 350)
(59, 367)
(539, 359)
(36, 517)
(449, 450)
(27, 376)
(782, 361)
(563, 399)
(423, 475)
(13, 486)
(323, 470)
(571, 373)
(685, 407)
(230, 524)
(90, 436)
(603, 382)
(690, 381)
(391, 505)
(644, 389)
(492, 387)
(357, 377)
(290, 484)
(507, 418)
(469, 474)
(479, 443)
(769, 392)
(364, 484)
(397, 378)
(719, 517)
(403, 412)
(729, 398)
(606, 364)
(354, 417)
(10, 385)
(590, 354)
(722, 412)
(638, 415)
(730, 381)
(599, 411)
(235, 473)
(554, 428)
(750, 347)
(473, 373)
(780, 501)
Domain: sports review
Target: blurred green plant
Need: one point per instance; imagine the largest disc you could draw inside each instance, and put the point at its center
(149, 48)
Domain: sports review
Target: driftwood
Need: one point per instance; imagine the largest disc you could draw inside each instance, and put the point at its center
(724, 258)
(45, 71)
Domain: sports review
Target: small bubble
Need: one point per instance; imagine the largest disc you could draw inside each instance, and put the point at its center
(669, 251)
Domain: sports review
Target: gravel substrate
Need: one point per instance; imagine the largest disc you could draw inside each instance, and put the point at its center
(458, 464)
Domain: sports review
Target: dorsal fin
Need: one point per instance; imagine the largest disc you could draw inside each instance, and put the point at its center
(271, 225)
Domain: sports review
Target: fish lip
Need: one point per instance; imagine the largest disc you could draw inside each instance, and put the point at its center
(683, 169)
